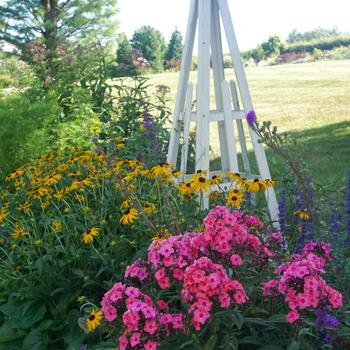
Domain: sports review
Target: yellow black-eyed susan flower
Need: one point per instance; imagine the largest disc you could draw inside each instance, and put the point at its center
(57, 226)
(51, 179)
(185, 188)
(235, 177)
(120, 146)
(161, 170)
(234, 198)
(265, 184)
(149, 208)
(19, 183)
(125, 204)
(89, 235)
(18, 232)
(163, 235)
(214, 195)
(176, 173)
(303, 215)
(254, 185)
(216, 180)
(18, 172)
(75, 174)
(38, 192)
(201, 183)
(61, 193)
(129, 216)
(95, 129)
(3, 213)
(45, 204)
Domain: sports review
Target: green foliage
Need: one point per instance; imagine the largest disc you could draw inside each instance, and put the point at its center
(24, 131)
(152, 45)
(317, 33)
(50, 266)
(13, 72)
(174, 50)
(257, 54)
(323, 44)
(52, 22)
(123, 50)
(6, 81)
(272, 46)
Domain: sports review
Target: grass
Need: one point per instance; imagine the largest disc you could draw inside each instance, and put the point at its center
(311, 101)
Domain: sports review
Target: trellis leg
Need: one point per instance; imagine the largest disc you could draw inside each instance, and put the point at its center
(244, 90)
(217, 59)
(245, 158)
(203, 89)
(186, 62)
(186, 131)
(230, 136)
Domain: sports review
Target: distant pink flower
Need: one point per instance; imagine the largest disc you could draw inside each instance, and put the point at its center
(151, 345)
(235, 260)
(110, 313)
(150, 327)
(135, 339)
(293, 316)
(123, 342)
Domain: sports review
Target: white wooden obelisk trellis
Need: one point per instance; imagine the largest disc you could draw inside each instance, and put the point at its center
(205, 15)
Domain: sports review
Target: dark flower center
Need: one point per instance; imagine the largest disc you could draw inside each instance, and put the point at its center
(92, 317)
(201, 179)
(297, 284)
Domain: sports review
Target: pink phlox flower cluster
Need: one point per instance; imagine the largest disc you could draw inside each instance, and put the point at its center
(301, 284)
(206, 283)
(138, 270)
(142, 320)
(320, 249)
(228, 232)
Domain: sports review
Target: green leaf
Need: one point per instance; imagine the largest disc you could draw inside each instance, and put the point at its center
(183, 346)
(279, 318)
(73, 335)
(271, 347)
(32, 315)
(9, 333)
(294, 345)
(78, 272)
(252, 340)
(35, 340)
(210, 345)
(237, 319)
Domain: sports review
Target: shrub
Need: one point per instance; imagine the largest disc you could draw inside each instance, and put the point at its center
(23, 131)
(321, 44)
(5, 81)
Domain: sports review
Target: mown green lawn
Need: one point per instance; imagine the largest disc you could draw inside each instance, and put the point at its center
(311, 100)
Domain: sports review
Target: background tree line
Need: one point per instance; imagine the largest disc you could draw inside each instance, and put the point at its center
(298, 42)
(149, 43)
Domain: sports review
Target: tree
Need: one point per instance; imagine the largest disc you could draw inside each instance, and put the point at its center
(272, 46)
(175, 47)
(51, 22)
(317, 33)
(123, 50)
(152, 45)
(257, 54)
